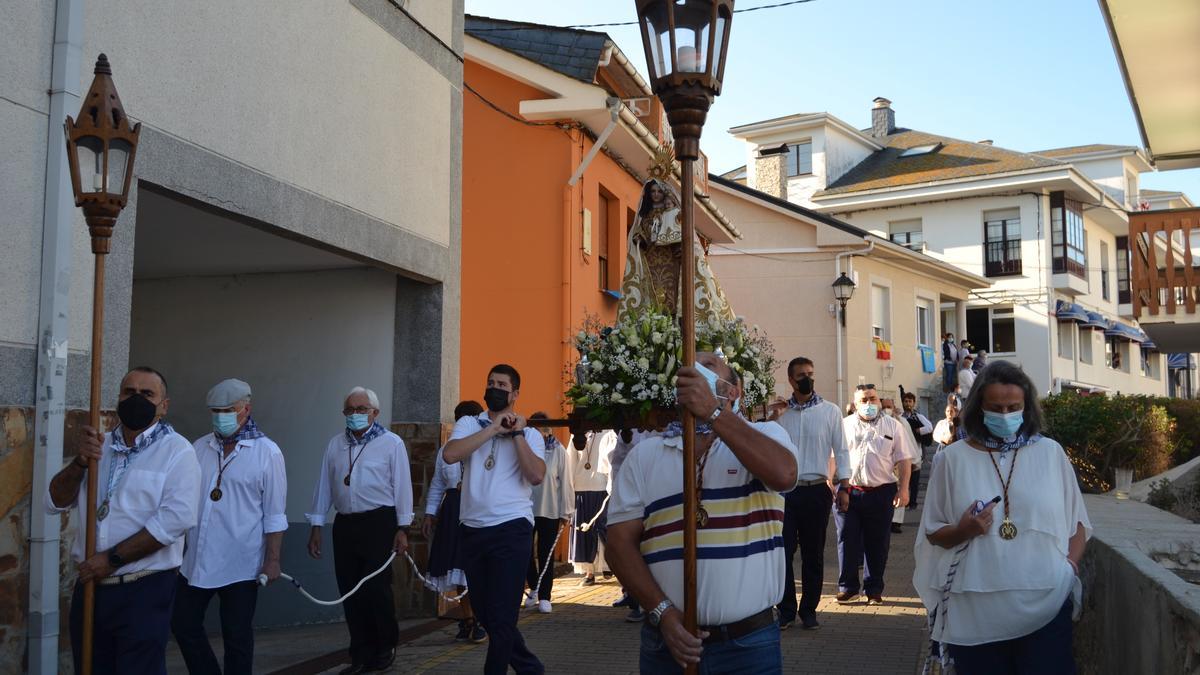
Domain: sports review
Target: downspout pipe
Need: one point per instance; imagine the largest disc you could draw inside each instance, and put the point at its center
(841, 349)
(58, 220)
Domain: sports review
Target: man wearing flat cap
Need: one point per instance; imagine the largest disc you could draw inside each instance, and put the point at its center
(240, 529)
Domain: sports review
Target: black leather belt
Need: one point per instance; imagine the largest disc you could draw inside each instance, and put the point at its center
(740, 629)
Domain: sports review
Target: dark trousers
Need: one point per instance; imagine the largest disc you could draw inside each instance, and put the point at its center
(131, 625)
(361, 543)
(495, 560)
(864, 533)
(914, 484)
(238, 601)
(805, 521)
(1046, 651)
(544, 531)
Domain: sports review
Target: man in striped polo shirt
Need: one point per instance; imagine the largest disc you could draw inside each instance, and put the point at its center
(741, 469)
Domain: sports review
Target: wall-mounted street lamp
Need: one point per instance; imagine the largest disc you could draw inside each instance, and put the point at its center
(843, 290)
(686, 42)
(101, 146)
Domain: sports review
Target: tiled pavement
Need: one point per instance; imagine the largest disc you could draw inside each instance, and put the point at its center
(585, 635)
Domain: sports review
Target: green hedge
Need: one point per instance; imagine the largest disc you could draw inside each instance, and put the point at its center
(1101, 433)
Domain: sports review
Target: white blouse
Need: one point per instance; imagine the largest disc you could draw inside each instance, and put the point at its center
(1003, 589)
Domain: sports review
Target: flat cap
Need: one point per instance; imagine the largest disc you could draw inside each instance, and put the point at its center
(227, 392)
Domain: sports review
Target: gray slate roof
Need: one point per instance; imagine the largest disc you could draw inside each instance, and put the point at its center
(573, 52)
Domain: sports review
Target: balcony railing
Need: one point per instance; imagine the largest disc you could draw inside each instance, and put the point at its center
(1164, 262)
(1003, 258)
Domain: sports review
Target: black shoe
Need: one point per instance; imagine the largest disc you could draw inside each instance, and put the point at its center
(478, 634)
(809, 623)
(897, 528)
(635, 615)
(784, 625)
(383, 661)
(589, 580)
(354, 669)
(464, 630)
(624, 600)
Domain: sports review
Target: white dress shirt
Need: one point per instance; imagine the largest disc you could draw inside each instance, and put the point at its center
(445, 477)
(876, 447)
(158, 491)
(500, 494)
(227, 545)
(966, 380)
(1002, 589)
(554, 497)
(818, 436)
(381, 477)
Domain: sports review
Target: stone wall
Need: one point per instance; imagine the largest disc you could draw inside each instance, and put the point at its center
(16, 502)
(1138, 615)
(770, 175)
(422, 442)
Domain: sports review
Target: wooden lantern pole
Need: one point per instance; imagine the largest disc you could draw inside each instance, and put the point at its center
(102, 143)
(687, 281)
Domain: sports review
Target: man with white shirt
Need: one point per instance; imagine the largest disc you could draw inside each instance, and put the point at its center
(742, 468)
(881, 455)
(815, 427)
(366, 478)
(502, 460)
(242, 520)
(148, 487)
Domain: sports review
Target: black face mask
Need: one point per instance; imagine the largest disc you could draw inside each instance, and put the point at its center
(804, 385)
(136, 413)
(495, 399)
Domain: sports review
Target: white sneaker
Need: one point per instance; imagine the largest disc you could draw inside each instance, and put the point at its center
(530, 601)
(544, 606)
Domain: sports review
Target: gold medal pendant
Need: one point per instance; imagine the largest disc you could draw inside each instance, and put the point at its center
(216, 494)
(1008, 531)
(490, 463)
(587, 465)
(102, 512)
(702, 517)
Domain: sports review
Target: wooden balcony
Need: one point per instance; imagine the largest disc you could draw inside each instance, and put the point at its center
(1165, 278)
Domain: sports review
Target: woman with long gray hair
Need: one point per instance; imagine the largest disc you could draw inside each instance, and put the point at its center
(999, 577)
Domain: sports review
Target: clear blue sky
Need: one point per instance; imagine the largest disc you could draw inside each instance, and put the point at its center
(1027, 74)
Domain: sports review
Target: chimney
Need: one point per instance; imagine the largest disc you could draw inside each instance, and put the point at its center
(883, 118)
(770, 171)
(986, 141)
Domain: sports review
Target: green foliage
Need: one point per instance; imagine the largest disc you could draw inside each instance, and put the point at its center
(1162, 496)
(1186, 413)
(1103, 433)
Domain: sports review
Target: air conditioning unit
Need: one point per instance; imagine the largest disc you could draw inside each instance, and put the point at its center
(640, 107)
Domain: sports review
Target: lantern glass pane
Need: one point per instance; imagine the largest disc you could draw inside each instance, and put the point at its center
(90, 152)
(118, 164)
(693, 21)
(658, 36)
(714, 59)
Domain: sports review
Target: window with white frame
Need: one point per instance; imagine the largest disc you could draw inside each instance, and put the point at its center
(925, 322)
(1066, 339)
(907, 233)
(993, 329)
(1131, 190)
(881, 312)
(799, 162)
(1085, 345)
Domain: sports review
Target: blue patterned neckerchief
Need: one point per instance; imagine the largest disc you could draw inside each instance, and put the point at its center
(127, 455)
(485, 422)
(248, 432)
(374, 431)
(1006, 445)
(675, 429)
(813, 400)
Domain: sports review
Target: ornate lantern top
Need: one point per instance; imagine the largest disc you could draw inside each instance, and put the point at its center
(101, 146)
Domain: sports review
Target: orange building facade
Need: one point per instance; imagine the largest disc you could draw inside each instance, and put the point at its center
(540, 253)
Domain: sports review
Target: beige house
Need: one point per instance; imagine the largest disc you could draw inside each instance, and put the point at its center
(780, 276)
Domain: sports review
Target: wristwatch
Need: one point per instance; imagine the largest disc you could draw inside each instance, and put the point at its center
(656, 614)
(115, 561)
(713, 417)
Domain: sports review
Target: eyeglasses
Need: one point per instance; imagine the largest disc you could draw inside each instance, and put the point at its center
(864, 387)
(360, 410)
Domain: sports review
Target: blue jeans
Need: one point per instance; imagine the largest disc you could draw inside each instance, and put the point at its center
(1045, 651)
(755, 654)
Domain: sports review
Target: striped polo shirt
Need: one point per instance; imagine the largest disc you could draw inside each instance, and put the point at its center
(739, 554)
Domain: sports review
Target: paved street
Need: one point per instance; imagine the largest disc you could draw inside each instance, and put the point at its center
(585, 635)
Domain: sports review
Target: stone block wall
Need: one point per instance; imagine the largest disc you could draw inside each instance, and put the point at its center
(770, 175)
(422, 441)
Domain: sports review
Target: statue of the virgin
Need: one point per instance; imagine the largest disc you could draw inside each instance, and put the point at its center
(652, 264)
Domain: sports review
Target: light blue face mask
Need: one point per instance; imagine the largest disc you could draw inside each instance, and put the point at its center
(225, 423)
(869, 410)
(358, 421)
(1003, 425)
(712, 379)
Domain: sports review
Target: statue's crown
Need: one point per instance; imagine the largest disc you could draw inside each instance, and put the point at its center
(662, 165)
